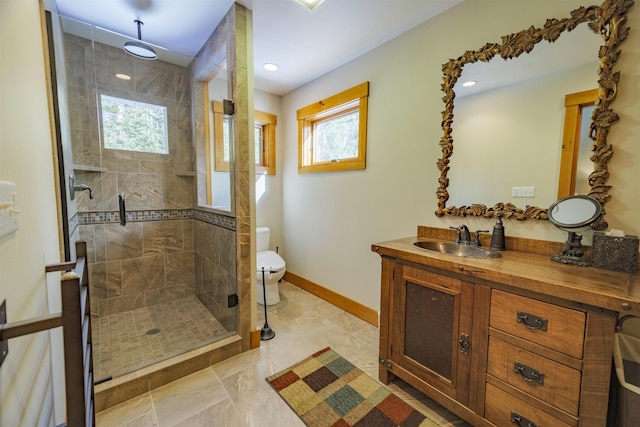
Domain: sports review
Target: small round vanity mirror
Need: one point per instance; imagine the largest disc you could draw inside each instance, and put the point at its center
(574, 214)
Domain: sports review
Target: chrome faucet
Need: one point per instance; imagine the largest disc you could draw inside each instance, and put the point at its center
(82, 187)
(78, 187)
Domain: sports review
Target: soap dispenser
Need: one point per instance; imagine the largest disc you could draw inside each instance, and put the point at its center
(497, 237)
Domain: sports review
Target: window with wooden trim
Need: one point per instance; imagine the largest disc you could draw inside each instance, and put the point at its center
(332, 133)
(265, 140)
(220, 137)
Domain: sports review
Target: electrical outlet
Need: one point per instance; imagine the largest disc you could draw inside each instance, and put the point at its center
(522, 191)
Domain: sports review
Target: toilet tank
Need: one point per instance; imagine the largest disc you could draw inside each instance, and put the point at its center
(262, 239)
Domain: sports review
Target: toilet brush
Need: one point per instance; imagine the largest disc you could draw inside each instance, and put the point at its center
(266, 333)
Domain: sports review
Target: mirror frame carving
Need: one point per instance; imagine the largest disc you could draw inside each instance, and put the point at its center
(610, 21)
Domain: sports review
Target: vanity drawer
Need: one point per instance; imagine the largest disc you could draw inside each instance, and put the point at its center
(538, 376)
(552, 326)
(501, 408)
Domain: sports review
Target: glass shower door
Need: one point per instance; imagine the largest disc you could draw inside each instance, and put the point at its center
(131, 127)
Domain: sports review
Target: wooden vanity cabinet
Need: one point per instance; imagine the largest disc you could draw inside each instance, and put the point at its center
(492, 353)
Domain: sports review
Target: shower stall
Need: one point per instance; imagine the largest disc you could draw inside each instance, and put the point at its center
(164, 268)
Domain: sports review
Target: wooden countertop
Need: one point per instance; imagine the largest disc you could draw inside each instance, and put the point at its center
(529, 272)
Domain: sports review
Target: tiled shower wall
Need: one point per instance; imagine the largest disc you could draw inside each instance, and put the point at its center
(215, 266)
(147, 180)
(140, 264)
(230, 43)
(150, 260)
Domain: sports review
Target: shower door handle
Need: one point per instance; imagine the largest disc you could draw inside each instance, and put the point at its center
(123, 211)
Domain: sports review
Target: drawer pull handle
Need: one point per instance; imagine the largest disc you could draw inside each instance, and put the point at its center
(532, 321)
(521, 421)
(528, 374)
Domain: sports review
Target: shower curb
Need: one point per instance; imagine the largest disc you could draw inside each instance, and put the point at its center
(128, 386)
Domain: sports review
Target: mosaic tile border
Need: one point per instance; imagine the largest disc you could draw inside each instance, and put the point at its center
(73, 224)
(108, 217)
(224, 221)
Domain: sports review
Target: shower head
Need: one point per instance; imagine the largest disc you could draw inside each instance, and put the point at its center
(139, 49)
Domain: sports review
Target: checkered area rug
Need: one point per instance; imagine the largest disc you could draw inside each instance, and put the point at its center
(325, 389)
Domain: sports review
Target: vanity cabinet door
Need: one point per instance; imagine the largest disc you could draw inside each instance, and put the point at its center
(431, 325)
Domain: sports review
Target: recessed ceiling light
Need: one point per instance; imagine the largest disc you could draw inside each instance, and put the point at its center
(311, 4)
(123, 76)
(269, 66)
(469, 83)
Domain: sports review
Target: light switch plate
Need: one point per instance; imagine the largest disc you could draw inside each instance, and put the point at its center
(8, 208)
(522, 191)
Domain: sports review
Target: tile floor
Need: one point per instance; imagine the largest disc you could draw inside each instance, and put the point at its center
(124, 342)
(234, 392)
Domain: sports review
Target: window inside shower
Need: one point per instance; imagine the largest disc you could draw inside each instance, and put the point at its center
(133, 125)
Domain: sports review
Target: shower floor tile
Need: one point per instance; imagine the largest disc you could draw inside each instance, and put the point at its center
(127, 341)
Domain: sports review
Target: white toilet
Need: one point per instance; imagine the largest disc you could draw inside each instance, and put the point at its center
(274, 268)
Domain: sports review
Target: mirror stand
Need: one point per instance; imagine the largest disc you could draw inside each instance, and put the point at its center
(573, 214)
(572, 252)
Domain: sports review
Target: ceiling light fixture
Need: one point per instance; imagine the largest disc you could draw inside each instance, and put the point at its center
(269, 66)
(311, 4)
(470, 83)
(139, 49)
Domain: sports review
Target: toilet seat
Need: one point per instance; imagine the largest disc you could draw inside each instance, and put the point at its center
(270, 260)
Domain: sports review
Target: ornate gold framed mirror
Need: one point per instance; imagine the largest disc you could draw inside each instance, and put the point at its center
(609, 20)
